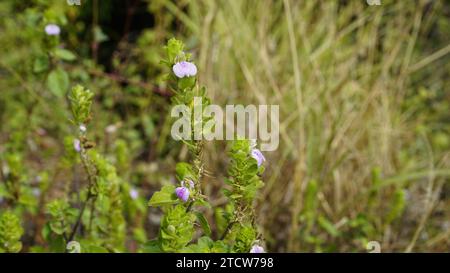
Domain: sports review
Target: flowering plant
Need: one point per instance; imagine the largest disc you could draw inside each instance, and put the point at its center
(183, 206)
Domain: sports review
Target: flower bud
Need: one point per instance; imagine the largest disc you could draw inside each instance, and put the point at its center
(171, 229)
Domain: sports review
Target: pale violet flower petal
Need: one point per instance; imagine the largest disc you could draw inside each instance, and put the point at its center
(52, 29)
(179, 70)
(77, 145)
(258, 156)
(134, 194)
(182, 193)
(191, 183)
(257, 249)
(184, 69)
(192, 70)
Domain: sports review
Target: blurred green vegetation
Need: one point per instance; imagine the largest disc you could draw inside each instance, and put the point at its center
(364, 101)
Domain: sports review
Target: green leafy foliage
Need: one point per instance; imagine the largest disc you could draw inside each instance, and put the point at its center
(81, 101)
(178, 223)
(61, 216)
(243, 237)
(243, 172)
(177, 229)
(10, 232)
(207, 245)
(174, 51)
(364, 136)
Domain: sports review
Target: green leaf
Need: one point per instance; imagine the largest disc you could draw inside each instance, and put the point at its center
(58, 82)
(164, 197)
(81, 101)
(174, 49)
(10, 232)
(186, 82)
(99, 35)
(41, 64)
(152, 246)
(328, 226)
(204, 223)
(94, 249)
(57, 228)
(64, 54)
(202, 203)
(183, 171)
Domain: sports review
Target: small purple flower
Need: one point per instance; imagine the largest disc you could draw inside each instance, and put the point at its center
(36, 192)
(189, 181)
(258, 156)
(184, 69)
(77, 145)
(257, 249)
(52, 29)
(134, 194)
(182, 193)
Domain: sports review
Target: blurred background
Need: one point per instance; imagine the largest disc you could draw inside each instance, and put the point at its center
(364, 100)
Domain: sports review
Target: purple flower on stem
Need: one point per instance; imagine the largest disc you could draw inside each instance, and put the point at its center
(184, 69)
(134, 194)
(182, 193)
(189, 181)
(257, 249)
(52, 29)
(258, 156)
(77, 145)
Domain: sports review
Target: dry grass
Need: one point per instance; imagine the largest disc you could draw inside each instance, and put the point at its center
(341, 75)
